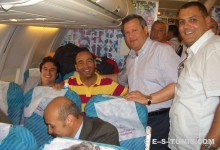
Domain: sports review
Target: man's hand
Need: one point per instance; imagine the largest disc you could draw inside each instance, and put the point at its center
(57, 87)
(136, 96)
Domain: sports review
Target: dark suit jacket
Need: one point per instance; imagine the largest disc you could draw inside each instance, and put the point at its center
(97, 130)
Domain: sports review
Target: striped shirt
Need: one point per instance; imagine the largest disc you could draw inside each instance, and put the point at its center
(102, 86)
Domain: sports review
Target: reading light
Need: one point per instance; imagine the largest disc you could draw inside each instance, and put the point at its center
(13, 20)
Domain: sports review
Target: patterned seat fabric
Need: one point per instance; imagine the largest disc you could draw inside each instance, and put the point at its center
(32, 72)
(18, 138)
(36, 101)
(11, 99)
(130, 118)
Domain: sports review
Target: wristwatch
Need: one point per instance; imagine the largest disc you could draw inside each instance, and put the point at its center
(149, 98)
(208, 146)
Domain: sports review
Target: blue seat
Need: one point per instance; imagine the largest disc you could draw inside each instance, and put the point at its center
(16, 138)
(36, 101)
(31, 72)
(68, 75)
(12, 101)
(118, 111)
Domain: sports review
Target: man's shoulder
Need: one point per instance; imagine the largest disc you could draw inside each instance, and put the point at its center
(72, 80)
(105, 80)
(161, 49)
(215, 40)
(99, 123)
(100, 131)
(159, 45)
(212, 43)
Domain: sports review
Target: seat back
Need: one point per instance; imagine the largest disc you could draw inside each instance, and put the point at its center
(31, 72)
(130, 118)
(68, 75)
(11, 100)
(36, 101)
(16, 138)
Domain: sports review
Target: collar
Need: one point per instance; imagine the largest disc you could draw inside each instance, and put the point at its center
(192, 50)
(143, 49)
(79, 131)
(174, 38)
(98, 81)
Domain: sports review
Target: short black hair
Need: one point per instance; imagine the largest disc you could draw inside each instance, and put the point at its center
(200, 6)
(84, 49)
(49, 59)
(174, 29)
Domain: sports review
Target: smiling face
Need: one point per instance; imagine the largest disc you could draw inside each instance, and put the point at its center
(135, 35)
(192, 24)
(48, 74)
(85, 65)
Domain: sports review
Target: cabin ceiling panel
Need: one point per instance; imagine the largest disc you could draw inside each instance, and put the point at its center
(76, 13)
(80, 13)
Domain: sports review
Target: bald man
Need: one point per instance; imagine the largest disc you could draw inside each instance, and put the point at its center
(64, 120)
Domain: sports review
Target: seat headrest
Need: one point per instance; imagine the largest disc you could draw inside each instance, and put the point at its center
(17, 138)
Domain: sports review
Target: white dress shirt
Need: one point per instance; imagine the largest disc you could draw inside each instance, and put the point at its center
(150, 70)
(196, 95)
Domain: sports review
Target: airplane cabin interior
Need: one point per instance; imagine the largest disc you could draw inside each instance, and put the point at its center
(33, 29)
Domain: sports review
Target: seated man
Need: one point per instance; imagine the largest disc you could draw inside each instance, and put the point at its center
(49, 69)
(64, 120)
(89, 83)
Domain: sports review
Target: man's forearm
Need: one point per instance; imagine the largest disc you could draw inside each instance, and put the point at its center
(165, 94)
(209, 4)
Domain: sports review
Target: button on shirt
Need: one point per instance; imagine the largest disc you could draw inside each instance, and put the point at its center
(150, 70)
(196, 94)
